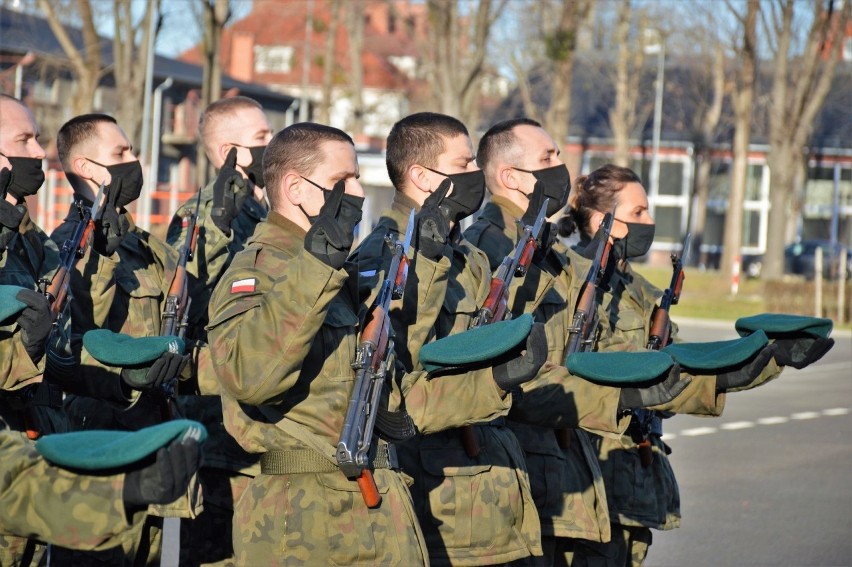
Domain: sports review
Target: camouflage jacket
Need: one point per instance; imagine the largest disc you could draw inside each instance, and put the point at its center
(566, 483)
(60, 507)
(473, 511)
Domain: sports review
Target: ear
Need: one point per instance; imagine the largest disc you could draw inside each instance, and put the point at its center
(222, 152)
(419, 179)
(293, 188)
(81, 167)
(595, 221)
(508, 177)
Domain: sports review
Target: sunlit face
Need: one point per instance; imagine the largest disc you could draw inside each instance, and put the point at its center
(109, 147)
(539, 152)
(247, 127)
(339, 163)
(457, 157)
(632, 207)
(18, 133)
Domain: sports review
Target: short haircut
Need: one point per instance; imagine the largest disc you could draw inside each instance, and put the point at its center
(296, 148)
(500, 139)
(419, 139)
(76, 131)
(214, 113)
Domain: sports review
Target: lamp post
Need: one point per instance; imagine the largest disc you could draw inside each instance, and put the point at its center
(659, 47)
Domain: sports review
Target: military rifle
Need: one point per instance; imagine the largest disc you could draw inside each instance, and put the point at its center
(495, 307)
(175, 318)
(373, 358)
(581, 333)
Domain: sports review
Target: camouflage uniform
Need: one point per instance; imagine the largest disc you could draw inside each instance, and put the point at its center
(227, 467)
(644, 497)
(38, 500)
(473, 511)
(283, 333)
(123, 293)
(29, 257)
(566, 482)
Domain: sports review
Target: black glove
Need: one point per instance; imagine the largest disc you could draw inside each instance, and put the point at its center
(10, 215)
(660, 393)
(327, 239)
(167, 478)
(745, 375)
(801, 351)
(170, 365)
(523, 368)
(110, 228)
(35, 322)
(229, 193)
(432, 226)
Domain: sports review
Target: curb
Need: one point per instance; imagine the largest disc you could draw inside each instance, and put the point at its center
(725, 324)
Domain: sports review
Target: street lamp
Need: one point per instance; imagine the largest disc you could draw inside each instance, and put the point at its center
(656, 46)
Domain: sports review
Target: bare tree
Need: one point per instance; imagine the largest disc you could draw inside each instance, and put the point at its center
(214, 15)
(355, 25)
(130, 59)
(329, 62)
(800, 84)
(86, 60)
(458, 58)
(623, 116)
(743, 103)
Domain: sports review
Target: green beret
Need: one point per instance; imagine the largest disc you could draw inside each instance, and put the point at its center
(714, 356)
(619, 368)
(102, 449)
(118, 349)
(476, 345)
(9, 303)
(775, 324)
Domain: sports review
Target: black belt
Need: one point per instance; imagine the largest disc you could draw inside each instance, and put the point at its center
(302, 461)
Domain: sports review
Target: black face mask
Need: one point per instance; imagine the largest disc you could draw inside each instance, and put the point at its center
(349, 213)
(27, 176)
(466, 195)
(255, 169)
(637, 242)
(127, 177)
(551, 183)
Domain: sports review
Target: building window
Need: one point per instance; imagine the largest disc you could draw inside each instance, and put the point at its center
(668, 220)
(273, 58)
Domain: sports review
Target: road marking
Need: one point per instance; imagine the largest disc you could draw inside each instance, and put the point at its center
(836, 411)
(773, 420)
(805, 415)
(696, 431)
(737, 425)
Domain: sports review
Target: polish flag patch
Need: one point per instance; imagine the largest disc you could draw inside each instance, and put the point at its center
(243, 286)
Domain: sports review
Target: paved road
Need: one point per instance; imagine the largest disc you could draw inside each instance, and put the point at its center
(770, 482)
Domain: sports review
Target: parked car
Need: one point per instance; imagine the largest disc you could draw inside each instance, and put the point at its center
(800, 258)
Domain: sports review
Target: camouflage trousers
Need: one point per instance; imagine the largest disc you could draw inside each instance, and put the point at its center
(321, 519)
(628, 548)
(20, 552)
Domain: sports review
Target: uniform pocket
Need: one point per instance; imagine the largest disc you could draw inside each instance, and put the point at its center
(339, 342)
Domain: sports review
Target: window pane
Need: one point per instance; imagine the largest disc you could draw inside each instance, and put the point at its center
(671, 178)
(668, 224)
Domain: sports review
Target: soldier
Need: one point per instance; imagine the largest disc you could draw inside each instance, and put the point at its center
(234, 132)
(473, 510)
(642, 493)
(120, 285)
(522, 169)
(283, 327)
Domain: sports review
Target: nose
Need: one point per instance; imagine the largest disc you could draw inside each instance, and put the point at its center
(354, 188)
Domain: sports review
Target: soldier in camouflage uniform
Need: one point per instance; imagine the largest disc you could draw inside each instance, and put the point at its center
(121, 285)
(641, 496)
(522, 168)
(234, 132)
(473, 510)
(283, 332)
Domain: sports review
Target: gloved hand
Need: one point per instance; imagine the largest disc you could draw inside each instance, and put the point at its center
(742, 377)
(660, 393)
(167, 478)
(548, 239)
(432, 226)
(801, 351)
(110, 230)
(229, 193)
(523, 368)
(35, 322)
(326, 239)
(168, 366)
(10, 215)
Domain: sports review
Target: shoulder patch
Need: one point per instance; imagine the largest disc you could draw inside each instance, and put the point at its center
(247, 285)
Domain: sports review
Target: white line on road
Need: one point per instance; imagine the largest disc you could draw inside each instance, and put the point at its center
(696, 431)
(737, 425)
(835, 411)
(805, 415)
(775, 420)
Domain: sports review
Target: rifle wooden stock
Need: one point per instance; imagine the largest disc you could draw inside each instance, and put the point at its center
(660, 329)
(369, 490)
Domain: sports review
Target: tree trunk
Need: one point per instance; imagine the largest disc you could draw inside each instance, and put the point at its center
(329, 63)
(215, 14)
(743, 101)
(698, 216)
(356, 48)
